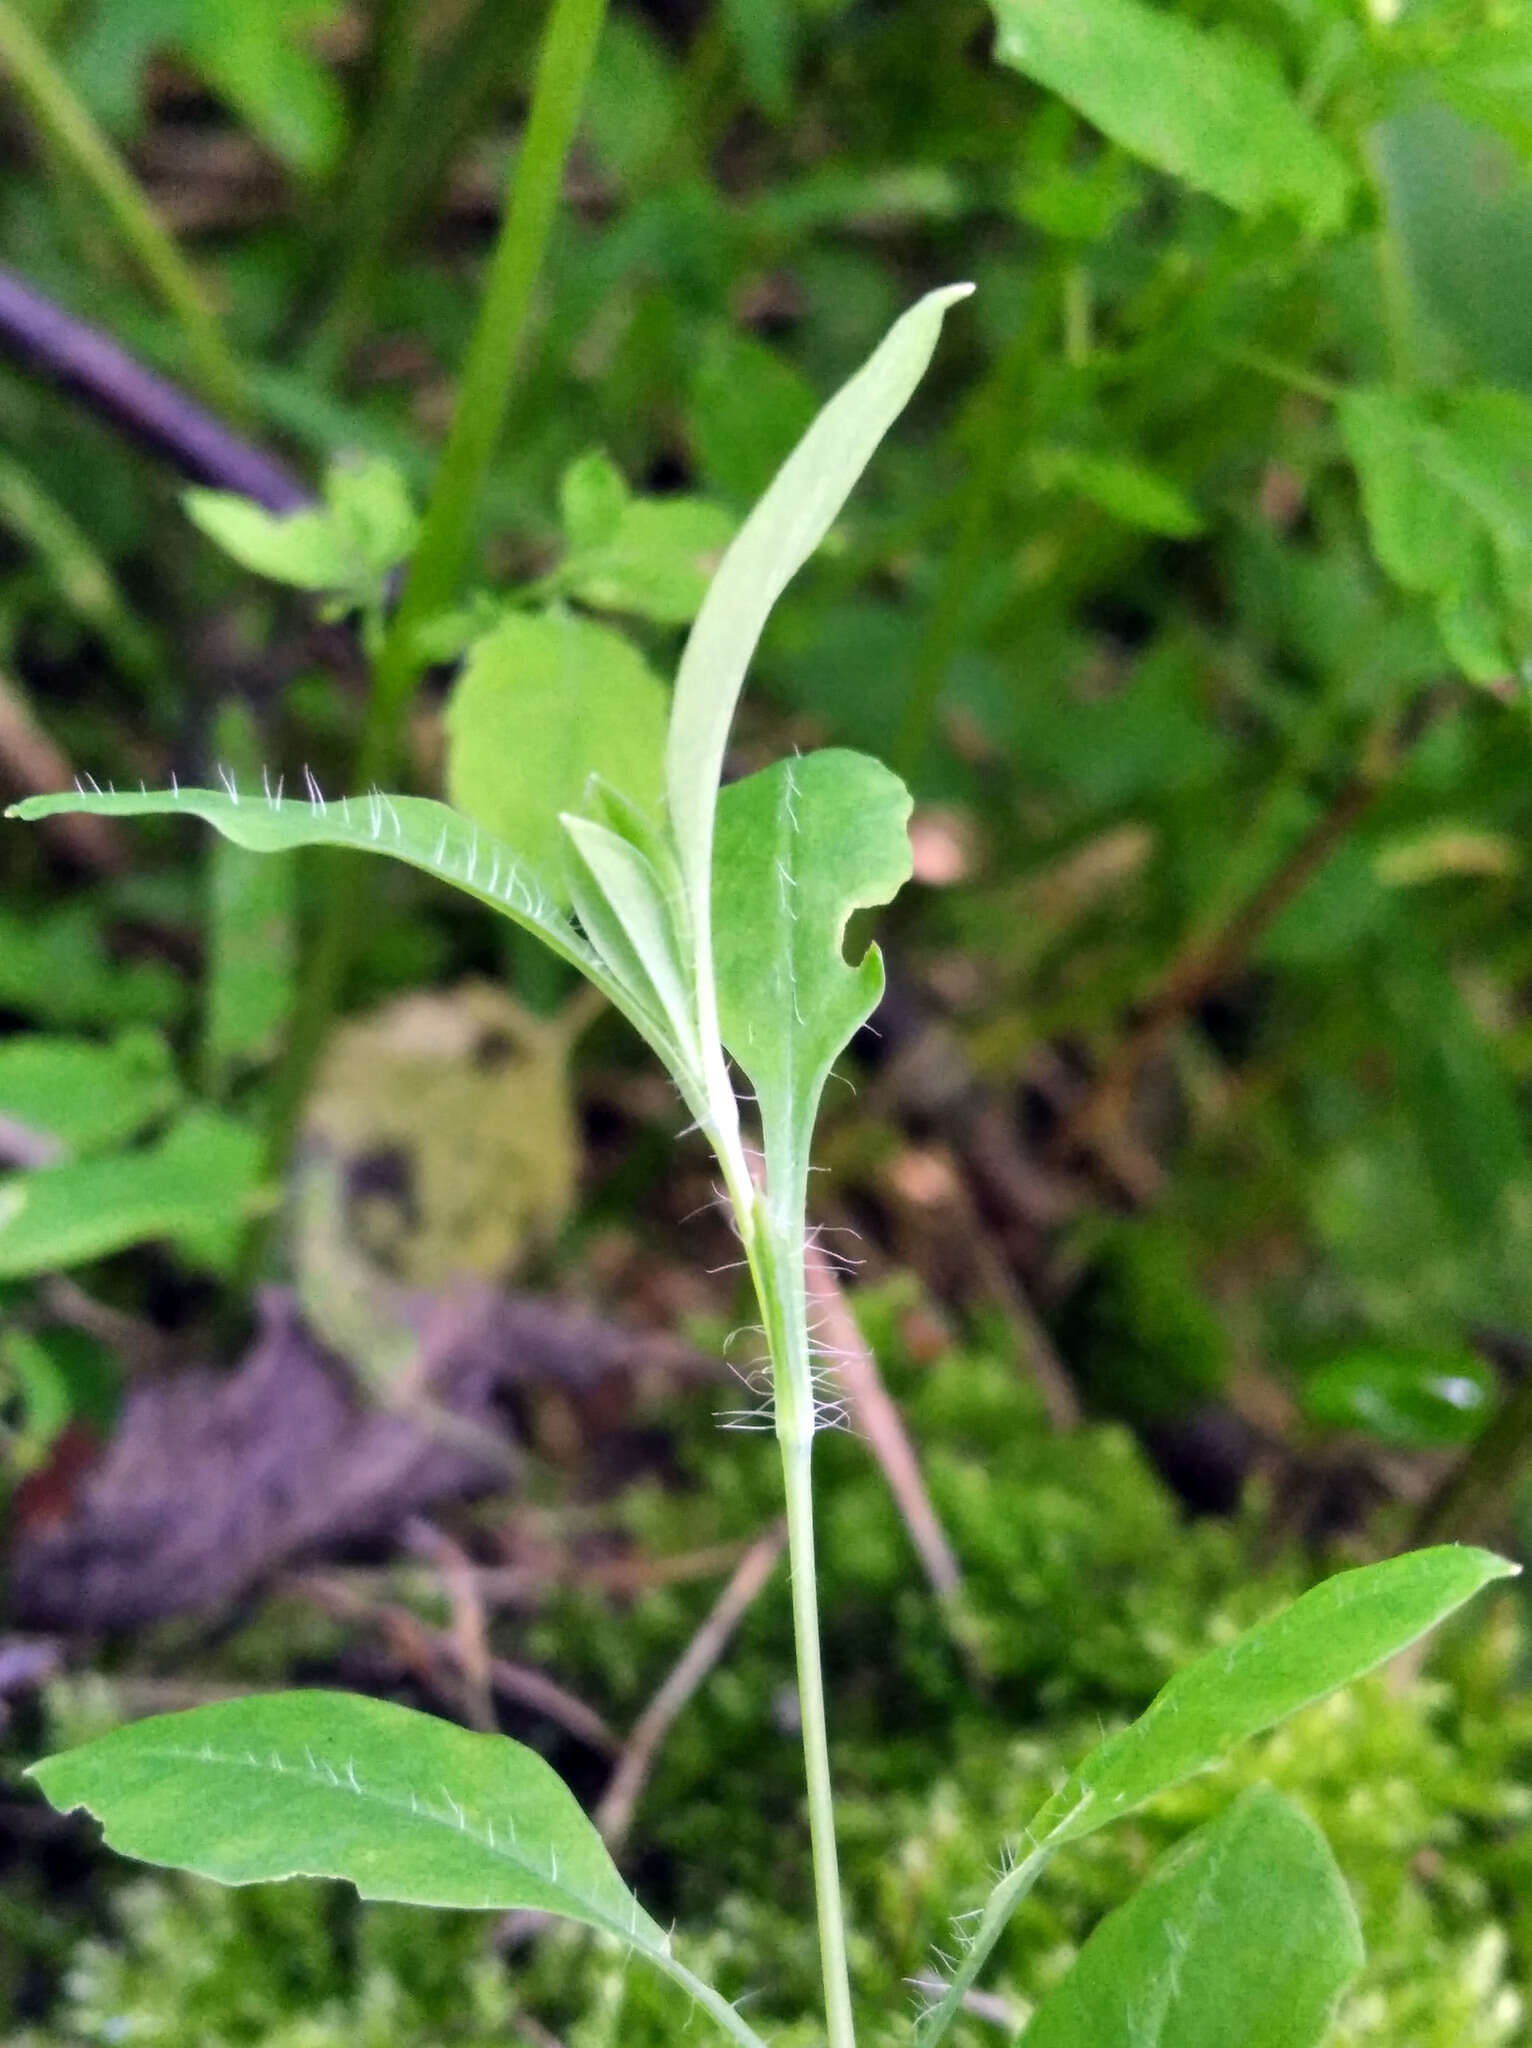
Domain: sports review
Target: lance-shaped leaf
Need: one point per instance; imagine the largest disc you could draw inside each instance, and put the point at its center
(1340, 1630)
(322, 1784)
(1246, 1933)
(413, 829)
(776, 540)
(1210, 109)
(800, 846)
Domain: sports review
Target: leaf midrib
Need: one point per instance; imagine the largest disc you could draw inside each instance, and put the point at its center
(328, 1782)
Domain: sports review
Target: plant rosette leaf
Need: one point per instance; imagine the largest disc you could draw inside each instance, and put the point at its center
(320, 1784)
(787, 525)
(799, 847)
(654, 563)
(1210, 109)
(1246, 1933)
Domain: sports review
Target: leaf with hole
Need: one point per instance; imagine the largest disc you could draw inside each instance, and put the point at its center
(401, 1805)
(1245, 1933)
(800, 846)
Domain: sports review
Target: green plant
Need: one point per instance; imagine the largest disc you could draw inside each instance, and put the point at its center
(714, 920)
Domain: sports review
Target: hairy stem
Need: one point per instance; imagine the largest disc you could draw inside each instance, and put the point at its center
(776, 1254)
(58, 112)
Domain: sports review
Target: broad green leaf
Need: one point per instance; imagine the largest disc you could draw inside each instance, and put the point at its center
(544, 702)
(364, 529)
(194, 1186)
(1246, 1934)
(1444, 491)
(800, 846)
(1129, 490)
(426, 835)
(1419, 1399)
(655, 562)
(85, 1096)
(1335, 1633)
(1340, 1630)
(1211, 109)
(776, 540)
(401, 1805)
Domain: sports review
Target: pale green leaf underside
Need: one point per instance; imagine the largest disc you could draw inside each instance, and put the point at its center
(403, 1806)
(799, 847)
(1212, 109)
(1245, 1934)
(781, 533)
(426, 835)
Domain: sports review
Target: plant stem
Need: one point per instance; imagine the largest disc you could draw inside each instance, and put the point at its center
(798, 1483)
(568, 47)
(774, 1243)
(57, 110)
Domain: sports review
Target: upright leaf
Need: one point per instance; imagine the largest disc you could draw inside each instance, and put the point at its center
(545, 701)
(321, 1784)
(776, 540)
(1211, 109)
(1245, 1934)
(800, 846)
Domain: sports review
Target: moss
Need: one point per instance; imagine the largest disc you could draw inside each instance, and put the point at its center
(1085, 1590)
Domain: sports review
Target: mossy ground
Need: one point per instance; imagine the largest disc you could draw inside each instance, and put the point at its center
(1086, 1587)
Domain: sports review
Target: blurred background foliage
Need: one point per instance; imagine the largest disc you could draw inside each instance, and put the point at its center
(1194, 600)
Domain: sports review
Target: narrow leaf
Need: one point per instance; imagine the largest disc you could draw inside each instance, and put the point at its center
(544, 702)
(776, 540)
(1340, 1630)
(425, 835)
(1211, 109)
(800, 846)
(320, 1784)
(1246, 1933)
